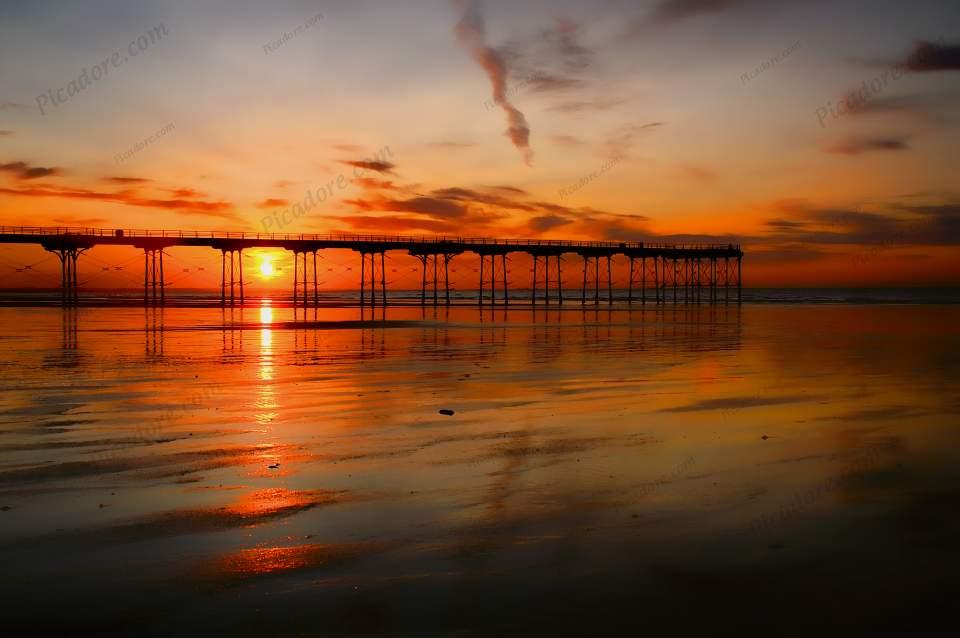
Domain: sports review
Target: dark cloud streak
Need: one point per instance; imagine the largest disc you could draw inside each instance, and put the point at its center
(471, 33)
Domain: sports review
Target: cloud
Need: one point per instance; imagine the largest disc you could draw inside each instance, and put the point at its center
(545, 223)
(15, 107)
(564, 39)
(5, 133)
(271, 202)
(786, 254)
(484, 209)
(621, 141)
(545, 83)
(370, 183)
(567, 140)
(223, 210)
(373, 165)
(451, 144)
(933, 56)
(903, 225)
(397, 223)
(80, 221)
(283, 183)
(579, 106)
(22, 170)
(471, 33)
(669, 12)
(698, 173)
(512, 190)
(430, 206)
(348, 148)
(676, 10)
(885, 105)
(859, 145)
(127, 180)
(549, 61)
(185, 192)
(506, 200)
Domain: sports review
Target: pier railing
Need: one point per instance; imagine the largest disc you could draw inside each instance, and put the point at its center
(133, 233)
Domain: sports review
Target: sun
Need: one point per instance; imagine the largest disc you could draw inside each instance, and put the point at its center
(266, 269)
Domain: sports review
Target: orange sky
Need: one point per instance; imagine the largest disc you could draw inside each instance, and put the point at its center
(821, 140)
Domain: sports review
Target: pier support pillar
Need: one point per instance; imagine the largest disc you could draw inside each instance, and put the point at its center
(489, 274)
(69, 283)
(153, 280)
(231, 275)
(431, 275)
(609, 279)
(306, 280)
(373, 271)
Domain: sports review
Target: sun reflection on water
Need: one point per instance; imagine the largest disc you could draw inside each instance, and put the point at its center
(266, 397)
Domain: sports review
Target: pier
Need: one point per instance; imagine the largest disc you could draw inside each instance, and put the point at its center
(658, 272)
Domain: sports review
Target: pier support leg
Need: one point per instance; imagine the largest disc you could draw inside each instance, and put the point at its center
(423, 279)
(643, 281)
(363, 278)
(596, 281)
(609, 279)
(533, 290)
(583, 294)
(559, 280)
(546, 280)
(506, 289)
(480, 299)
(676, 276)
(223, 278)
(154, 283)
(656, 279)
(446, 276)
(383, 277)
(69, 282)
(239, 267)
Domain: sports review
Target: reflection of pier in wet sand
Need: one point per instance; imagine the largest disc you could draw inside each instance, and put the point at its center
(657, 272)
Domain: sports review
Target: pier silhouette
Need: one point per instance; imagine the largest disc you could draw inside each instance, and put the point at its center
(658, 271)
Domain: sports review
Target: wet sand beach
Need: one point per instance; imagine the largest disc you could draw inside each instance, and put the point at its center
(189, 471)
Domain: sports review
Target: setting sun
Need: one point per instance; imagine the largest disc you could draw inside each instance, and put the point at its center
(266, 269)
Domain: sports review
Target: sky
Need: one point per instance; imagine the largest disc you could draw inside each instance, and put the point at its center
(820, 135)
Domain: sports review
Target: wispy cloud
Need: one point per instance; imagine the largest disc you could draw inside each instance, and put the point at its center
(380, 166)
(220, 209)
(22, 170)
(933, 56)
(451, 145)
(272, 202)
(80, 221)
(860, 145)
(669, 12)
(15, 107)
(127, 180)
(471, 33)
(580, 106)
(902, 225)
